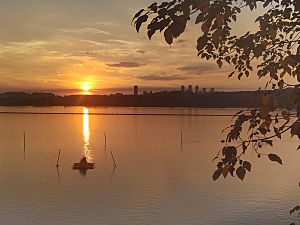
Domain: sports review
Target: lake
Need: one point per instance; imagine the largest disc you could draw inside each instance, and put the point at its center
(155, 182)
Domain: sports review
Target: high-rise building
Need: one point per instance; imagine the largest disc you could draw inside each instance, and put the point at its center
(190, 89)
(212, 90)
(204, 91)
(136, 90)
(197, 89)
(182, 89)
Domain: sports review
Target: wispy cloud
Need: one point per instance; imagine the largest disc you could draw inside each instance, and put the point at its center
(157, 77)
(141, 51)
(93, 42)
(121, 41)
(86, 30)
(125, 64)
(198, 69)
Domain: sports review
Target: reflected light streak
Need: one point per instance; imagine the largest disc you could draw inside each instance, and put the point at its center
(87, 152)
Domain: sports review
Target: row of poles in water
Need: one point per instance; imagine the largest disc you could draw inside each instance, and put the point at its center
(59, 151)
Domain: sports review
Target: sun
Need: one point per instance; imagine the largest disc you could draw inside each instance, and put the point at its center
(86, 87)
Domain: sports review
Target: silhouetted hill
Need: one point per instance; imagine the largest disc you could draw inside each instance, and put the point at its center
(239, 99)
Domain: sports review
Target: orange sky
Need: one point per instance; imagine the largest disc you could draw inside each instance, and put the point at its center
(64, 44)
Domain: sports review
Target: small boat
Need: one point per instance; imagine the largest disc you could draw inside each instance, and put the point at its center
(83, 165)
(78, 166)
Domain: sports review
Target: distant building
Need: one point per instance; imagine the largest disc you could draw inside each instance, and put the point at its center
(145, 92)
(204, 91)
(197, 89)
(190, 89)
(136, 90)
(212, 90)
(182, 89)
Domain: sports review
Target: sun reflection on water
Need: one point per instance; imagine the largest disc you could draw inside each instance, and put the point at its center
(87, 152)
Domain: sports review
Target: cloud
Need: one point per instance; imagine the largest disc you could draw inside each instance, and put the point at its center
(157, 77)
(93, 42)
(118, 41)
(198, 69)
(126, 64)
(86, 30)
(141, 51)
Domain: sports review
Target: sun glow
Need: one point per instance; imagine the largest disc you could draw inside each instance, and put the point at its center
(86, 87)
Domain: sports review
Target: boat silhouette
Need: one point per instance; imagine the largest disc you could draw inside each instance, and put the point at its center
(83, 165)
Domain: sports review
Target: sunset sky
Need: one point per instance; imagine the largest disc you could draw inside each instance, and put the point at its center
(67, 44)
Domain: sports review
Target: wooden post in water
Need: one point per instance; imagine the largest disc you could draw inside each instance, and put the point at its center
(181, 138)
(105, 140)
(57, 165)
(24, 141)
(112, 155)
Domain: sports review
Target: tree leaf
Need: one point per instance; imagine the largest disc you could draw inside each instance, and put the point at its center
(296, 208)
(247, 165)
(275, 158)
(168, 36)
(231, 74)
(244, 147)
(138, 14)
(269, 142)
(276, 130)
(139, 22)
(241, 172)
(217, 174)
(226, 170)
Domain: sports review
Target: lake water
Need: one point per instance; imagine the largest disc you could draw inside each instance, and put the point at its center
(155, 182)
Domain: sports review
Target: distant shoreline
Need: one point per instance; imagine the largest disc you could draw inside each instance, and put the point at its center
(240, 99)
(117, 114)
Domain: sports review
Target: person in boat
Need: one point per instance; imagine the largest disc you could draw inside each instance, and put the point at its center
(83, 162)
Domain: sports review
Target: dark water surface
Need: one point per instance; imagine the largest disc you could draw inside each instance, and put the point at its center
(155, 181)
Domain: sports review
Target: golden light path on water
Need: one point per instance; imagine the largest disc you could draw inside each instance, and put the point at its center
(87, 152)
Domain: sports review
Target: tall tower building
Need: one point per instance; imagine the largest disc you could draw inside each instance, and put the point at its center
(182, 89)
(197, 89)
(135, 90)
(190, 90)
(204, 91)
(212, 90)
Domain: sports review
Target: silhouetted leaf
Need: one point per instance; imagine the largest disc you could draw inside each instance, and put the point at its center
(247, 165)
(269, 142)
(275, 158)
(295, 128)
(217, 174)
(139, 22)
(231, 170)
(226, 170)
(277, 132)
(231, 74)
(244, 147)
(168, 36)
(202, 41)
(296, 208)
(241, 172)
(285, 114)
(138, 14)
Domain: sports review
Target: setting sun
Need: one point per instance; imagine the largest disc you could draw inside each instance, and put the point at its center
(86, 87)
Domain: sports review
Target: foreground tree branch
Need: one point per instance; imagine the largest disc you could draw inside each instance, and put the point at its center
(274, 49)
